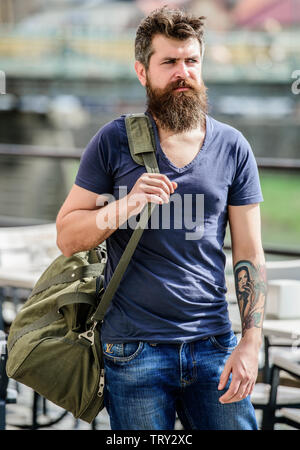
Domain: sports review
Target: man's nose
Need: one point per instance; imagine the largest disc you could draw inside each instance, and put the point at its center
(181, 70)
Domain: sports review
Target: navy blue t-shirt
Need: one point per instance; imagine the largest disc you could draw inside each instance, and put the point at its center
(174, 287)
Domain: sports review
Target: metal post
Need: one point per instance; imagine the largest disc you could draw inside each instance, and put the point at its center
(266, 369)
(3, 380)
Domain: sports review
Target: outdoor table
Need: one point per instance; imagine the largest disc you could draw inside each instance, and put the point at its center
(285, 328)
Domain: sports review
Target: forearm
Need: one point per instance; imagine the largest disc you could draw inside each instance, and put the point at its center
(251, 290)
(85, 229)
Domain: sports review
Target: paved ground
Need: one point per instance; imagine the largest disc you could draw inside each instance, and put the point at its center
(20, 413)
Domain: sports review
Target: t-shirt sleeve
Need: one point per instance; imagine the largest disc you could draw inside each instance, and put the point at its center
(95, 169)
(245, 188)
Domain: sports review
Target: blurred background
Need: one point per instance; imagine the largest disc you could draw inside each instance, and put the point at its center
(67, 68)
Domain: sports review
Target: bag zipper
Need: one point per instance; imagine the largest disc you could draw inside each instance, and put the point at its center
(101, 383)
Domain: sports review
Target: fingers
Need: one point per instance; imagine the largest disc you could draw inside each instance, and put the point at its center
(240, 387)
(157, 188)
(149, 188)
(231, 391)
(157, 192)
(161, 181)
(137, 201)
(224, 377)
(249, 286)
(248, 390)
(237, 391)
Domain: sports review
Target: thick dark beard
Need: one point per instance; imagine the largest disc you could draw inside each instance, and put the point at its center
(178, 111)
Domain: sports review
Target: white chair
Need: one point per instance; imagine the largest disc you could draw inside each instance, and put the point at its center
(290, 417)
(280, 404)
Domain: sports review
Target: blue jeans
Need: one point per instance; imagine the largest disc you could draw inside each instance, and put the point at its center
(146, 384)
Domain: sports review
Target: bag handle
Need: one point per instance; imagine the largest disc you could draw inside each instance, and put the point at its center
(69, 276)
(142, 146)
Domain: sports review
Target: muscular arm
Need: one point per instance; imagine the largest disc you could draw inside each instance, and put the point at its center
(249, 267)
(251, 288)
(85, 221)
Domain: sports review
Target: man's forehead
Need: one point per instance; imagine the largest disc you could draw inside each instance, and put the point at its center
(164, 46)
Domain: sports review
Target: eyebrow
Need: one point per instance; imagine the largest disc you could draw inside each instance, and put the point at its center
(167, 58)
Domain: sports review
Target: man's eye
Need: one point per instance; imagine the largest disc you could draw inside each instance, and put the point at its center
(192, 60)
(170, 61)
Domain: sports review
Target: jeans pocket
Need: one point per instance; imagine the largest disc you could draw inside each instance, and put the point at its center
(122, 352)
(225, 342)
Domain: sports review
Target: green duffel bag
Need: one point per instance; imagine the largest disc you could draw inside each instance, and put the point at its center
(47, 350)
(54, 342)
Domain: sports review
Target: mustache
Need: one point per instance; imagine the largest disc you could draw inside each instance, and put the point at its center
(183, 83)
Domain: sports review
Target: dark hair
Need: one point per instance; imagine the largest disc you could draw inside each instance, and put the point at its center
(237, 271)
(172, 23)
(245, 268)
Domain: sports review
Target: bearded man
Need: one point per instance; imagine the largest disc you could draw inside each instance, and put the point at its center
(167, 339)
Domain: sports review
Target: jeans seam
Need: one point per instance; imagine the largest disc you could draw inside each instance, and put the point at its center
(183, 381)
(194, 377)
(214, 341)
(180, 366)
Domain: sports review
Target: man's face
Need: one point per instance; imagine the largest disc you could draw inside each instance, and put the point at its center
(242, 280)
(175, 90)
(174, 60)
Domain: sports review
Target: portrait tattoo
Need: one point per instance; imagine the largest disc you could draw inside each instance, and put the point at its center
(251, 290)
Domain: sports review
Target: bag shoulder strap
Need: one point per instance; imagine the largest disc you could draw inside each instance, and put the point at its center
(141, 137)
(142, 147)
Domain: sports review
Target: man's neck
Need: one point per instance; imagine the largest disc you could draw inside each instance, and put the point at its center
(171, 136)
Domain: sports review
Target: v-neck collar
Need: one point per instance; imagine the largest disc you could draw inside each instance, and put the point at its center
(204, 146)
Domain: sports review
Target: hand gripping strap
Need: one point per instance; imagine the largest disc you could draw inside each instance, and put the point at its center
(142, 144)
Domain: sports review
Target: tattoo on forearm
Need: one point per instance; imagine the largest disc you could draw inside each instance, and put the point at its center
(251, 290)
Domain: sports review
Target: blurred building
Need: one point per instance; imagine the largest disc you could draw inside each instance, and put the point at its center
(217, 13)
(12, 11)
(75, 59)
(267, 14)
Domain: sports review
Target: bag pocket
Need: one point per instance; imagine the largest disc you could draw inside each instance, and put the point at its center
(53, 370)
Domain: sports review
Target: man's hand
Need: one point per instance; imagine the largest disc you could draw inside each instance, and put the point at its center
(243, 365)
(149, 187)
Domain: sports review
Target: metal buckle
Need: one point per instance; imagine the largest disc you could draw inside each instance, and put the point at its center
(89, 335)
(102, 255)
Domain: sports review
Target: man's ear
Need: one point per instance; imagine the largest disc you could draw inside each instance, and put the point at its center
(141, 72)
